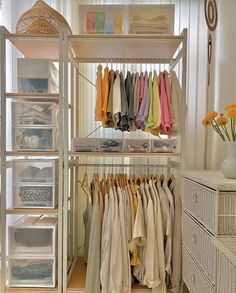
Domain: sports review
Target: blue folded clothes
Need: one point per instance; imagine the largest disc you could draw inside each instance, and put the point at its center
(33, 271)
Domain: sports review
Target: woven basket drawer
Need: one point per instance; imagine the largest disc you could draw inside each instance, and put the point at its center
(226, 264)
(200, 246)
(193, 277)
(200, 201)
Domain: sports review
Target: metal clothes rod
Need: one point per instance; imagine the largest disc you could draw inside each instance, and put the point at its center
(75, 163)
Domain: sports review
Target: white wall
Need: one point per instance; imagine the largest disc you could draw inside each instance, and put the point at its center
(224, 86)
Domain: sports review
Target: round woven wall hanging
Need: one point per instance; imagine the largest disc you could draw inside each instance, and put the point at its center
(41, 19)
(211, 14)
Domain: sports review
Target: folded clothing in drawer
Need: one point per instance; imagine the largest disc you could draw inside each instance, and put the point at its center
(136, 145)
(33, 196)
(34, 138)
(32, 272)
(33, 236)
(37, 171)
(111, 145)
(85, 145)
(164, 145)
(37, 113)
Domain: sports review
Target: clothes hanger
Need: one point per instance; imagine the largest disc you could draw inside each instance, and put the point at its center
(85, 186)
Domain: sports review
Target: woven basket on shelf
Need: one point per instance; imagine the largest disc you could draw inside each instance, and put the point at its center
(41, 19)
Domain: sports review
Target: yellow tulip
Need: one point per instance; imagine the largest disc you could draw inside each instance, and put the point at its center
(221, 120)
(211, 115)
(206, 122)
(231, 112)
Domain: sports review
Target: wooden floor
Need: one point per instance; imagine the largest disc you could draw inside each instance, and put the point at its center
(78, 277)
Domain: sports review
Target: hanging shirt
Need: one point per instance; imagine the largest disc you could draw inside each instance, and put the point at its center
(143, 109)
(105, 88)
(165, 113)
(139, 233)
(142, 82)
(149, 120)
(155, 129)
(94, 254)
(123, 124)
(109, 121)
(168, 92)
(136, 94)
(87, 216)
(116, 99)
(99, 102)
(130, 98)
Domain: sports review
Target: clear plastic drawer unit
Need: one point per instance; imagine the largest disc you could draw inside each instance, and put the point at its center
(136, 145)
(32, 272)
(33, 236)
(164, 145)
(35, 183)
(85, 145)
(111, 145)
(37, 75)
(34, 114)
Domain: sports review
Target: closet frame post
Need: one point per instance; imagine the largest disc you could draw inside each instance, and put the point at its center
(3, 156)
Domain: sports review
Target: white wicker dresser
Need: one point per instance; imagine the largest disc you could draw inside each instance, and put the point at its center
(209, 227)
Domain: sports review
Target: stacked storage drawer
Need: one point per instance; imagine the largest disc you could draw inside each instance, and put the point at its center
(32, 252)
(209, 210)
(35, 183)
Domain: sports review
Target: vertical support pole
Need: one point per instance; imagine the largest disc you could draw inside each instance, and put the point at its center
(3, 157)
(65, 159)
(184, 95)
(61, 163)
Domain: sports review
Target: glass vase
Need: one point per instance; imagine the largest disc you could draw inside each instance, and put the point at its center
(228, 166)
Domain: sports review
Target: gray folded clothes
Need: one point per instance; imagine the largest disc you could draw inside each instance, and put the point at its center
(28, 174)
(35, 193)
(34, 174)
(33, 237)
(40, 270)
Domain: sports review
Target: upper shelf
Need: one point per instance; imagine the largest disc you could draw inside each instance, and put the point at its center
(131, 48)
(103, 48)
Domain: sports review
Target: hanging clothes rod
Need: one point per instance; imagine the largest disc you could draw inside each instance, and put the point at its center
(77, 164)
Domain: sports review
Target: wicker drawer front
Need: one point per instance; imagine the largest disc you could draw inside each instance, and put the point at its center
(201, 203)
(227, 213)
(192, 276)
(200, 246)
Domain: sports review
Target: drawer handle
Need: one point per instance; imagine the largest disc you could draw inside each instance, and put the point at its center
(194, 238)
(193, 279)
(195, 197)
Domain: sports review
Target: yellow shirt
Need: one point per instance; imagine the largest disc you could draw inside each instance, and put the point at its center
(98, 108)
(105, 93)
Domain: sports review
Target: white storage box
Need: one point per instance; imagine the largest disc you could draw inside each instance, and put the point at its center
(136, 145)
(164, 145)
(35, 196)
(32, 272)
(193, 276)
(226, 264)
(33, 236)
(34, 138)
(85, 145)
(37, 75)
(211, 199)
(111, 145)
(35, 171)
(34, 114)
(198, 242)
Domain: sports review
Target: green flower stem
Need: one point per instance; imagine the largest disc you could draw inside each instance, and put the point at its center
(226, 132)
(233, 128)
(217, 129)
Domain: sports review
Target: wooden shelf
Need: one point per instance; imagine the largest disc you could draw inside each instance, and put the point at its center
(132, 48)
(78, 277)
(30, 211)
(32, 153)
(32, 46)
(122, 154)
(31, 95)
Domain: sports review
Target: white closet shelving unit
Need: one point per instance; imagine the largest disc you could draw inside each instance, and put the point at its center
(70, 51)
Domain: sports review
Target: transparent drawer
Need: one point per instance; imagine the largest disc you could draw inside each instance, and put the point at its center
(136, 145)
(34, 196)
(35, 171)
(33, 236)
(34, 114)
(32, 272)
(164, 145)
(37, 75)
(85, 145)
(111, 145)
(34, 138)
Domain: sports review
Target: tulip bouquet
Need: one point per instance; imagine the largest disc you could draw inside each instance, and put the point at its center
(223, 124)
